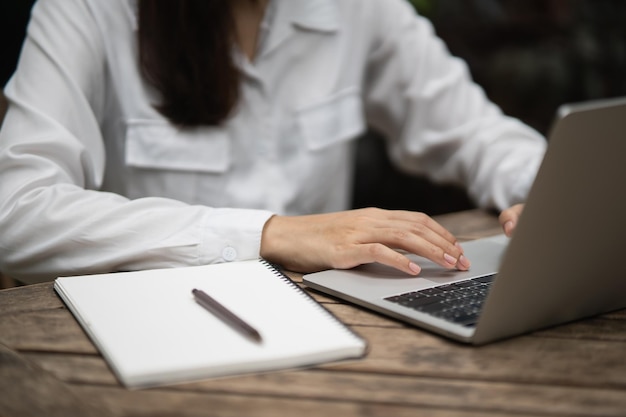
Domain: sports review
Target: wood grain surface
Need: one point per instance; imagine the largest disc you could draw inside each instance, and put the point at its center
(48, 367)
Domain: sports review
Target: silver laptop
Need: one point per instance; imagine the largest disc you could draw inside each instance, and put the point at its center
(563, 263)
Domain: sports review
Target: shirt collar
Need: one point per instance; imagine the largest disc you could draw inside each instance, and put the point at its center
(284, 16)
(288, 16)
(319, 15)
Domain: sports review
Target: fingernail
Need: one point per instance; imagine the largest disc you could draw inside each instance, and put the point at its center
(449, 259)
(415, 268)
(458, 245)
(464, 262)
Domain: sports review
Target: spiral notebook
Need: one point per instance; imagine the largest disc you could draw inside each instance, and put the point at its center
(152, 332)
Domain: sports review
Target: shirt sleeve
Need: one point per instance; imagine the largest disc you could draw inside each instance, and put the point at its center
(54, 220)
(438, 122)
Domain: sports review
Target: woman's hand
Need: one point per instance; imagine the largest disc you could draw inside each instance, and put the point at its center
(349, 238)
(509, 217)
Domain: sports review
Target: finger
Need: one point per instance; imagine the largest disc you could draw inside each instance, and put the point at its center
(420, 240)
(415, 222)
(441, 252)
(425, 220)
(509, 217)
(377, 252)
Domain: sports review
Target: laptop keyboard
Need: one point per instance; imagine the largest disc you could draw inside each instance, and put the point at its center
(459, 302)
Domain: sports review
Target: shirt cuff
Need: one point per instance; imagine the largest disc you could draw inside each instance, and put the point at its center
(231, 235)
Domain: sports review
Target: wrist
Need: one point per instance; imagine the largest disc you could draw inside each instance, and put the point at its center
(269, 238)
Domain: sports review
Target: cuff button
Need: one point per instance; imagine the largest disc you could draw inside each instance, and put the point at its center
(229, 254)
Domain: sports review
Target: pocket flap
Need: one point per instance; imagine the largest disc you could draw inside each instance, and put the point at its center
(157, 144)
(335, 119)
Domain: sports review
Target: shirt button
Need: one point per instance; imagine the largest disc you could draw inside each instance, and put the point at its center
(229, 254)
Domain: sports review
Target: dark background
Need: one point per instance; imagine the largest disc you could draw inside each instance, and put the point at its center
(530, 56)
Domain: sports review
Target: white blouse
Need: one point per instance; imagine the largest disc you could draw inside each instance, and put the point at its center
(94, 179)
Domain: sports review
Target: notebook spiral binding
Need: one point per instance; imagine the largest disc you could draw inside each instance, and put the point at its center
(277, 271)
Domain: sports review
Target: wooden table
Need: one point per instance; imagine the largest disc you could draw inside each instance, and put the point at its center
(48, 367)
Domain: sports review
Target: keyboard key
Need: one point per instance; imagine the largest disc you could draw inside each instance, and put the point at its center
(487, 279)
(466, 284)
(417, 303)
(466, 320)
(431, 291)
(459, 302)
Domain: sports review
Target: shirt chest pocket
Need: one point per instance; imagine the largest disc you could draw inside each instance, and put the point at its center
(155, 144)
(334, 120)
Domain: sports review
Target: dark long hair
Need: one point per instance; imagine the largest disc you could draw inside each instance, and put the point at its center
(185, 53)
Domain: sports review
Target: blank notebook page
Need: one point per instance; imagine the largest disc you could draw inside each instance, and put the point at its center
(149, 328)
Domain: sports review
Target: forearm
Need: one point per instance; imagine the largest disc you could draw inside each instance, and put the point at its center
(64, 230)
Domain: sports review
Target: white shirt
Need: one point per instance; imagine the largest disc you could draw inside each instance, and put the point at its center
(95, 179)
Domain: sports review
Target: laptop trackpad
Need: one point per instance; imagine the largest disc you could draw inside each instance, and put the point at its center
(376, 281)
(484, 254)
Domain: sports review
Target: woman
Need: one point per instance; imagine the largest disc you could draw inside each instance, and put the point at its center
(158, 134)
